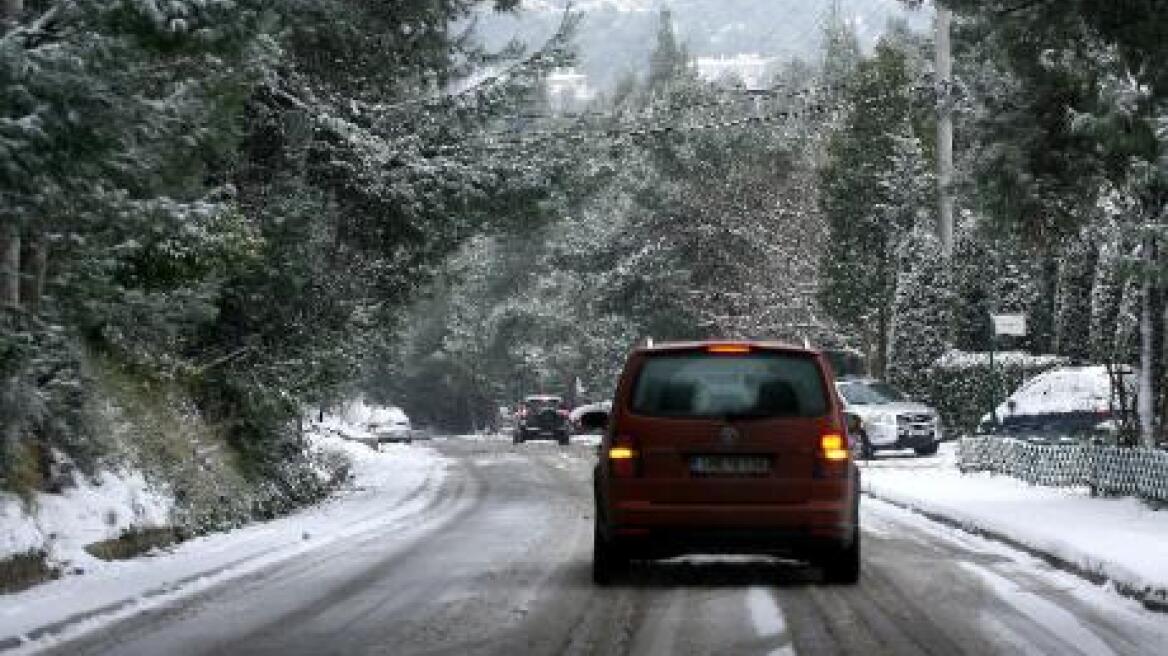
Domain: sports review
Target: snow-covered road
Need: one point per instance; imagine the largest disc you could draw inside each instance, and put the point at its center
(497, 562)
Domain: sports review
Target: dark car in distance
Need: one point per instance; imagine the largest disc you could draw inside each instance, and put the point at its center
(726, 447)
(542, 417)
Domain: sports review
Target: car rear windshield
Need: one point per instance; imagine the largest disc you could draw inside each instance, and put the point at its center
(758, 385)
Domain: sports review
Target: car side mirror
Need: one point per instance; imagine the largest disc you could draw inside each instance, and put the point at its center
(594, 420)
(853, 422)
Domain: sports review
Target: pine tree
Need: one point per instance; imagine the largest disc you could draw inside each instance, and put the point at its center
(920, 311)
(669, 59)
(1076, 272)
(867, 206)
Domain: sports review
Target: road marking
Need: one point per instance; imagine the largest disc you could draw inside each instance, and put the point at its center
(768, 619)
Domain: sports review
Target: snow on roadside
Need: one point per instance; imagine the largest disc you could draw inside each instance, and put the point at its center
(1121, 540)
(60, 525)
(388, 485)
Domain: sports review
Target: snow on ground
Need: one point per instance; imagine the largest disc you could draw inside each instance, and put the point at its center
(356, 420)
(1121, 540)
(1017, 579)
(388, 485)
(62, 524)
(589, 440)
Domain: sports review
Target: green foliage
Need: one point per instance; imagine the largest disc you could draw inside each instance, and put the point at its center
(874, 188)
(685, 234)
(1072, 306)
(971, 309)
(45, 402)
(920, 312)
(237, 209)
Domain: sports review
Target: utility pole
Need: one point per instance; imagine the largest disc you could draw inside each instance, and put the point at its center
(945, 131)
(10, 10)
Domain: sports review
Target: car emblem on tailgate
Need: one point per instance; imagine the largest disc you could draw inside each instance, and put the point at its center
(729, 435)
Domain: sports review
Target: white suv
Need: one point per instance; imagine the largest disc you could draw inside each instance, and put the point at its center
(887, 420)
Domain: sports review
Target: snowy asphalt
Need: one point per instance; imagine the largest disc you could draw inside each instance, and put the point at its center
(498, 563)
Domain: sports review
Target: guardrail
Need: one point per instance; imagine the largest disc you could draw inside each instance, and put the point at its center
(1105, 470)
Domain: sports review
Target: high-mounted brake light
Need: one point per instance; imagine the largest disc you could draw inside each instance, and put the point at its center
(728, 348)
(834, 447)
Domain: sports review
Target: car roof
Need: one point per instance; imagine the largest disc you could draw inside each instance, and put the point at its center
(666, 347)
(543, 397)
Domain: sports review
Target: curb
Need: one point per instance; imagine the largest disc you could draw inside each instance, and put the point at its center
(1153, 599)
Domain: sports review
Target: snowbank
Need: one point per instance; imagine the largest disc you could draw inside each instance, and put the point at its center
(1120, 541)
(955, 359)
(356, 419)
(60, 525)
(389, 485)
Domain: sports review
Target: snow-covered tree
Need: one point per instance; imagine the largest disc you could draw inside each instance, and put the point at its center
(874, 187)
(920, 311)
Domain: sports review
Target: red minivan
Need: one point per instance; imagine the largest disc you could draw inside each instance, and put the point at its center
(726, 447)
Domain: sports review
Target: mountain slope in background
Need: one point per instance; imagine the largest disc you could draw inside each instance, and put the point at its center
(616, 36)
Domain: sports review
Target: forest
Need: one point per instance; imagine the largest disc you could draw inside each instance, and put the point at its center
(261, 207)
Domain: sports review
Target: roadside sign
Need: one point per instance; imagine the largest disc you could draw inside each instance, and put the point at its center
(1011, 325)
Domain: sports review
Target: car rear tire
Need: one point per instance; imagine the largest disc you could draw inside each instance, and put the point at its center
(842, 567)
(563, 439)
(930, 450)
(608, 561)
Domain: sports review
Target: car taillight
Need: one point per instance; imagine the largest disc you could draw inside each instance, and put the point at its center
(834, 456)
(623, 458)
(833, 447)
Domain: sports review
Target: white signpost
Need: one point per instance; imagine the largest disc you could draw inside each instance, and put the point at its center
(1011, 325)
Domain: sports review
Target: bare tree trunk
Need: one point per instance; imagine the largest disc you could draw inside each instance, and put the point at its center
(35, 263)
(9, 266)
(884, 336)
(1146, 402)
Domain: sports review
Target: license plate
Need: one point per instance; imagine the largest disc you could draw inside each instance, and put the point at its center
(730, 465)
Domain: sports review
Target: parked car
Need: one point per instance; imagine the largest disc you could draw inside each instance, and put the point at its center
(542, 417)
(391, 425)
(887, 419)
(1063, 405)
(720, 447)
(371, 424)
(574, 417)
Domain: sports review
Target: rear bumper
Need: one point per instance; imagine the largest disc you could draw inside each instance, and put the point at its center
(668, 543)
(536, 432)
(657, 530)
(890, 437)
